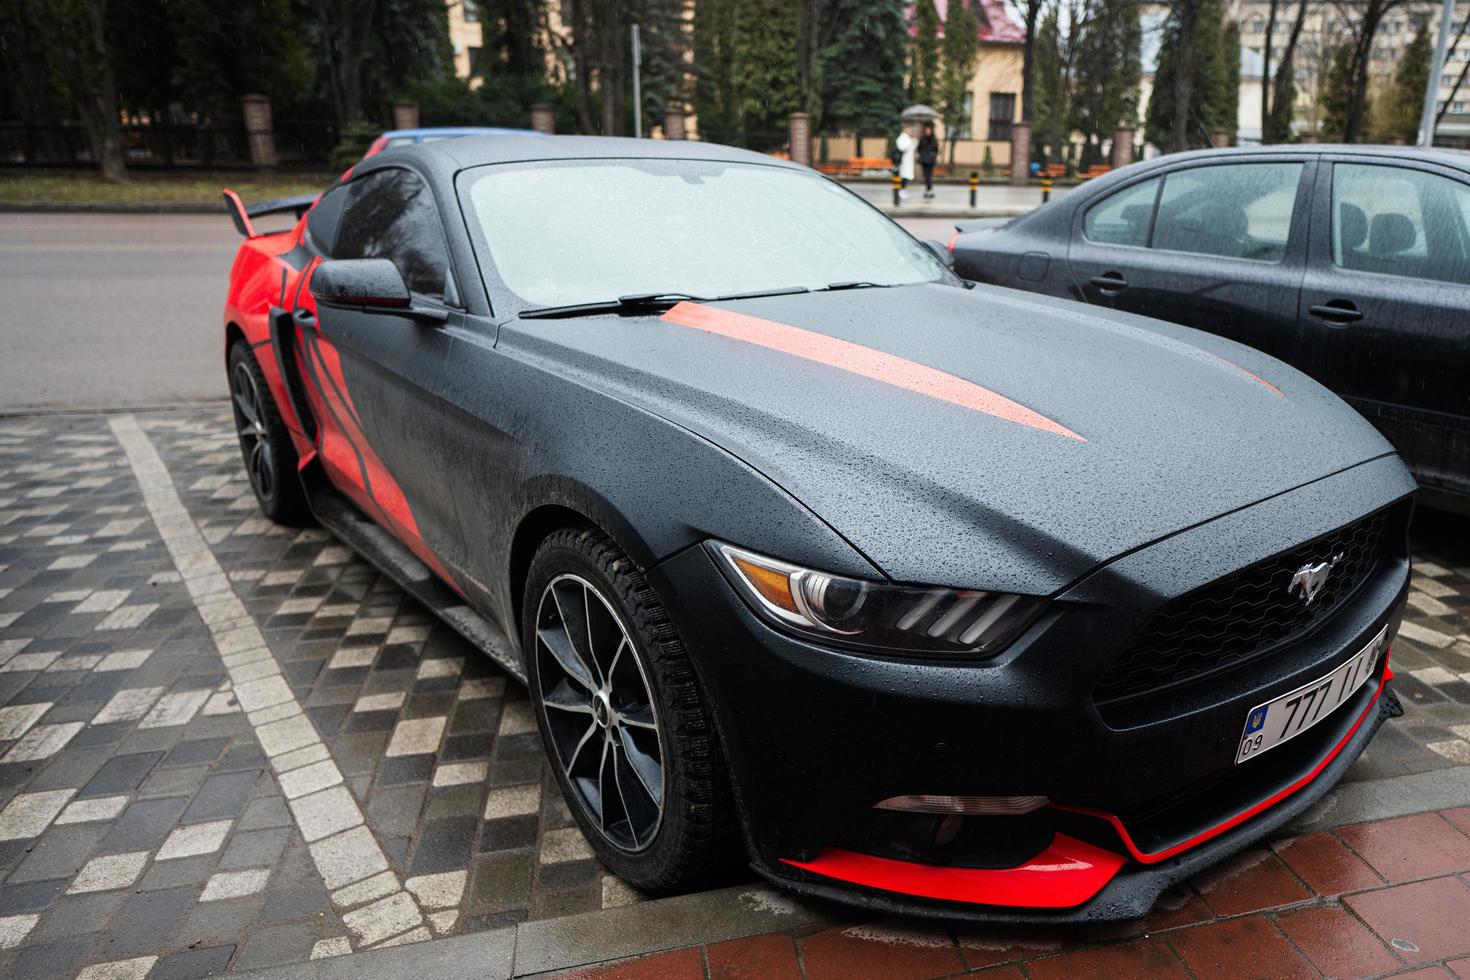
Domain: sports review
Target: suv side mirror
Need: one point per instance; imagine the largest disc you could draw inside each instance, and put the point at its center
(941, 252)
(373, 285)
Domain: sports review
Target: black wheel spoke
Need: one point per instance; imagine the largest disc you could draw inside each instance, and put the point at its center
(588, 668)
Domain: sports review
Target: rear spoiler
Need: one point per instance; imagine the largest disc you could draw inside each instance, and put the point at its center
(241, 215)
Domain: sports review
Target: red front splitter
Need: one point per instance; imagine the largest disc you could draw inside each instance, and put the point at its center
(1067, 873)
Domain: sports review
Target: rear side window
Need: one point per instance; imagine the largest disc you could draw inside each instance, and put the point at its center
(389, 214)
(1123, 219)
(1238, 211)
(1400, 222)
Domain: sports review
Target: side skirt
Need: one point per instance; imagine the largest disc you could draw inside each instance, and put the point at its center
(381, 549)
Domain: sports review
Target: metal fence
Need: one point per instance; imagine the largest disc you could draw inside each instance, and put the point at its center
(299, 142)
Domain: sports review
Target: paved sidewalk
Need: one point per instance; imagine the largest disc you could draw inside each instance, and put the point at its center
(1388, 897)
(226, 745)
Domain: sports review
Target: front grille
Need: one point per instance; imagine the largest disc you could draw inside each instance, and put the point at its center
(1239, 617)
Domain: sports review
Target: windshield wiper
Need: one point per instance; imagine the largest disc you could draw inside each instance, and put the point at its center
(833, 287)
(631, 303)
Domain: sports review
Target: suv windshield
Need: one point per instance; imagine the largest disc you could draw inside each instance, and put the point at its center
(590, 231)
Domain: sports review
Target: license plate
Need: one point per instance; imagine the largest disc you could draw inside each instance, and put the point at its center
(1286, 717)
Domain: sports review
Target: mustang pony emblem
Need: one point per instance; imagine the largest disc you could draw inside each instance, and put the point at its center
(1310, 579)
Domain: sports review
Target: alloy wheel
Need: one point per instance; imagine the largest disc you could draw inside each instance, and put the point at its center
(250, 423)
(600, 712)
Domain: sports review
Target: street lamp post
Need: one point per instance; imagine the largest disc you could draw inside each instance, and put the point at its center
(638, 85)
(1431, 89)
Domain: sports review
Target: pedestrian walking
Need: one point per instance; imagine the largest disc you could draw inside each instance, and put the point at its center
(928, 152)
(903, 154)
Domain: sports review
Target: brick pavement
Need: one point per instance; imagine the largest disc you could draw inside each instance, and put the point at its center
(229, 745)
(1385, 898)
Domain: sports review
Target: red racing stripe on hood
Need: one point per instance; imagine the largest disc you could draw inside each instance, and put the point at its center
(865, 361)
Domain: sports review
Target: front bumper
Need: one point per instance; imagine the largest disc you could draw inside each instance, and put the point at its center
(814, 737)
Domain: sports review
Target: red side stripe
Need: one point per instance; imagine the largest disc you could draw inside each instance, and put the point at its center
(864, 361)
(1245, 372)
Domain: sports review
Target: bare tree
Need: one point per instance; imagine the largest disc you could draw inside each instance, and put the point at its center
(1278, 85)
(1187, 58)
(80, 56)
(346, 29)
(1365, 31)
(1459, 79)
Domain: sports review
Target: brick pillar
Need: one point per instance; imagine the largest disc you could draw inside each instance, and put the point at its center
(1219, 137)
(799, 128)
(1122, 146)
(1020, 153)
(674, 123)
(406, 115)
(542, 118)
(259, 130)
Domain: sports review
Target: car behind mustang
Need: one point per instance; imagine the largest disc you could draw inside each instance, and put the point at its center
(906, 592)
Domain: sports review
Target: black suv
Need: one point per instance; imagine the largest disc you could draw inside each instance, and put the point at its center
(1350, 262)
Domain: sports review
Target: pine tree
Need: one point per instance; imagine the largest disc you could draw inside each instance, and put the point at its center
(924, 53)
(1215, 96)
(1337, 92)
(961, 50)
(1404, 100)
(1106, 73)
(715, 98)
(863, 68)
(1052, 105)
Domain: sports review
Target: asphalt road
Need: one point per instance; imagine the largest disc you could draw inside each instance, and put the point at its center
(110, 311)
(123, 311)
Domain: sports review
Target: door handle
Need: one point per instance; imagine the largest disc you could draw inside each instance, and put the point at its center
(1110, 282)
(1338, 311)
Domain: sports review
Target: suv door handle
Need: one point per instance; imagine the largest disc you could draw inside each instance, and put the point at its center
(1110, 283)
(1339, 311)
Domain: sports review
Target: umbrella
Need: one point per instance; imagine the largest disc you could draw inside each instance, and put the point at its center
(916, 112)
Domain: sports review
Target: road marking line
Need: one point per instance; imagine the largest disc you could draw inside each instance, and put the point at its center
(342, 846)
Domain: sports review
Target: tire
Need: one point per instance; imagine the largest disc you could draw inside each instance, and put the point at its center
(693, 838)
(265, 445)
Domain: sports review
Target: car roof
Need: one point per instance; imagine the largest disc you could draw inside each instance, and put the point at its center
(446, 157)
(1438, 154)
(455, 131)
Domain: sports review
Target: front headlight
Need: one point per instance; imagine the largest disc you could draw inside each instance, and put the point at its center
(878, 615)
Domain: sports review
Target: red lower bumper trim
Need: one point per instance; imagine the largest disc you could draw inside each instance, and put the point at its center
(1154, 857)
(1067, 873)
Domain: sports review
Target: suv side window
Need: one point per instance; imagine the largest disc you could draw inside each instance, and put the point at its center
(1400, 222)
(1235, 210)
(1124, 218)
(389, 214)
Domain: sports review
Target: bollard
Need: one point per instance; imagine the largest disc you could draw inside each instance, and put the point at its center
(1046, 190)
(974, 186)
(897, 188)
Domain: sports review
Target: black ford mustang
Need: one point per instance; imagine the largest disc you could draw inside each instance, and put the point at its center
(919, 595)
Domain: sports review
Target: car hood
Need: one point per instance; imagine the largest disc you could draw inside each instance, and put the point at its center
(978, 438)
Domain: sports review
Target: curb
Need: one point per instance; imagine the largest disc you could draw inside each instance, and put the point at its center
(85, 207)
(546, 945)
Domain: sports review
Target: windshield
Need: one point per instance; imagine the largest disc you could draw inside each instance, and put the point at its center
(590, 231)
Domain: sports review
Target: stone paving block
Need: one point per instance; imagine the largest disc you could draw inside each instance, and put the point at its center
(257, 848)
(348, 857)
(189, 964)
(28, 814)
(234, 884)
(198, 752)
(34, 961)
(222, 795)
(143, 825)
(146, 920)
(277, 945)
(60, 853)
(325, 813)
(194, 839)
(132, 969)
(177, 873)
(121, 774)
(384, 918)
(111, 871)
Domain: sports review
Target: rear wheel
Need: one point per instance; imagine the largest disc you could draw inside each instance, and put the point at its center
(625, 726)
(270, 458)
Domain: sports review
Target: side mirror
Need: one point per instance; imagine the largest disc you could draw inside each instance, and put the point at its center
(941, 252)
(375, 284)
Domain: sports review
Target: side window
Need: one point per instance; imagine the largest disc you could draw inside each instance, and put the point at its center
(1238, 210)
(322, 220)
(390, 215)
(1400, 222)
(1123, 219)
